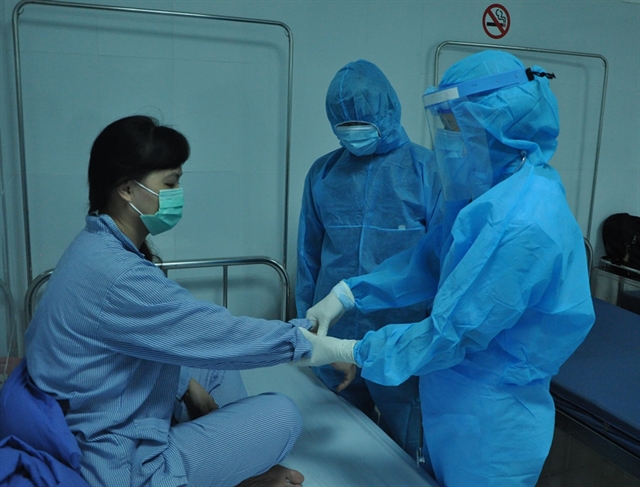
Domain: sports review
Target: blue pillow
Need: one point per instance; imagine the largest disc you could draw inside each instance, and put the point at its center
(35, 418)
(22, 466)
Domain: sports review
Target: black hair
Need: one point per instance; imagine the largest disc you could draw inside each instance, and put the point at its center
(129, 149)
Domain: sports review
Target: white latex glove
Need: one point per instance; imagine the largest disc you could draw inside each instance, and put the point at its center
(327, 350)
(324, 314)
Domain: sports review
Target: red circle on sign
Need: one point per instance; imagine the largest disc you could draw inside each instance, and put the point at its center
(496, 21)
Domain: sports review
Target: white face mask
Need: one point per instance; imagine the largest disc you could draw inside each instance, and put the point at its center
(170, 203)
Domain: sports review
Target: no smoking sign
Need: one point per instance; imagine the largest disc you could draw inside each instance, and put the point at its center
(496, 21)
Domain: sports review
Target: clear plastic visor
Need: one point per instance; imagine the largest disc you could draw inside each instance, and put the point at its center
(458, 135)
(462, 153)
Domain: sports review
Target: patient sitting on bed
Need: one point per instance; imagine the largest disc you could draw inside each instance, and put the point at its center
(150, 375)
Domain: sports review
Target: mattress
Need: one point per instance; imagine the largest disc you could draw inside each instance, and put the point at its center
(599, 384)
(339, 445)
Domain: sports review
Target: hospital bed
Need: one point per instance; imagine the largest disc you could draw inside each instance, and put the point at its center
(339, 445)
(597, 391)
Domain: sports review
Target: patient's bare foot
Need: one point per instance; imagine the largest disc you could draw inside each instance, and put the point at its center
(276, 476)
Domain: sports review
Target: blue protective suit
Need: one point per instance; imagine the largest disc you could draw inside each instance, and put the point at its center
(356, 212)
(507, 275)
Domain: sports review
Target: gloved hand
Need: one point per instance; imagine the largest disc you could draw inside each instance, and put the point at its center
(324, 314)
(327, 350)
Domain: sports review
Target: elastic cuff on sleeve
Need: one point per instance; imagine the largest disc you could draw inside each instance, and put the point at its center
(302, 347)
(356, 354)
(344, 294)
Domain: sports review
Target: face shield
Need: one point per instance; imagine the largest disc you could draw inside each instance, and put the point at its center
(459, 134)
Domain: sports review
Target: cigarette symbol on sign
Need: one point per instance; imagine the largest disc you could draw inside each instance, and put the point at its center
(500, 17)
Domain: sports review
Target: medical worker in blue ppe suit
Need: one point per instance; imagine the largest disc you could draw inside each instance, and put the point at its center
(506, 270)
(362, 203)
(148, 375)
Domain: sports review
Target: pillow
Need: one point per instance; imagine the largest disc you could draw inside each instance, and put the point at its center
(36, 418)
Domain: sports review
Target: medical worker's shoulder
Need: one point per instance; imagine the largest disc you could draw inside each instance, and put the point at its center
(546, 201)
(324, 164)
(539, 209)
(421, 153)
(424, 159)
(517, 207)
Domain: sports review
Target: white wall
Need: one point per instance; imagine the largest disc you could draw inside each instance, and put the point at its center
(224, 85)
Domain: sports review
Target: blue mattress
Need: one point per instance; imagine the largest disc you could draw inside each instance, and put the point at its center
(600, 383)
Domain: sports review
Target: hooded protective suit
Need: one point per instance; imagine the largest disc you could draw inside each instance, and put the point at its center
(507, 275)
(356, 212)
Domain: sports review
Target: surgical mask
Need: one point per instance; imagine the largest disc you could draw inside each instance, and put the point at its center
(170, 202)
(360, 140)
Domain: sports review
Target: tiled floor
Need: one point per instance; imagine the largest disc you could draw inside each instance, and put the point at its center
(571, 464)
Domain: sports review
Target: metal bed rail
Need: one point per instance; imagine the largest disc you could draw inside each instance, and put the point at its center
(10, 331)
(224, 262)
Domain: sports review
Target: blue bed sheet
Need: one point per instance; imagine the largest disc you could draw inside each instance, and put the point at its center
(600, 383)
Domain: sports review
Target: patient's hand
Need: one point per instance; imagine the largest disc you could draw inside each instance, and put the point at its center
(198, 401)
(276, 476)
(349, 372)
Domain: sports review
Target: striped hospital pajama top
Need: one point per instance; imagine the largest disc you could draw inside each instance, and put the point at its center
(110, 335)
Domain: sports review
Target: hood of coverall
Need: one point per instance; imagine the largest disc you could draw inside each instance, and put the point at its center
(520, 121)
(361, 92)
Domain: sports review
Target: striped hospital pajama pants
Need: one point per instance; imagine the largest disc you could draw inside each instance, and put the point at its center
(245, 437)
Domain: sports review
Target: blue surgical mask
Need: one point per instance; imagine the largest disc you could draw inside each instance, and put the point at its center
(360, 140)
(170, 202)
